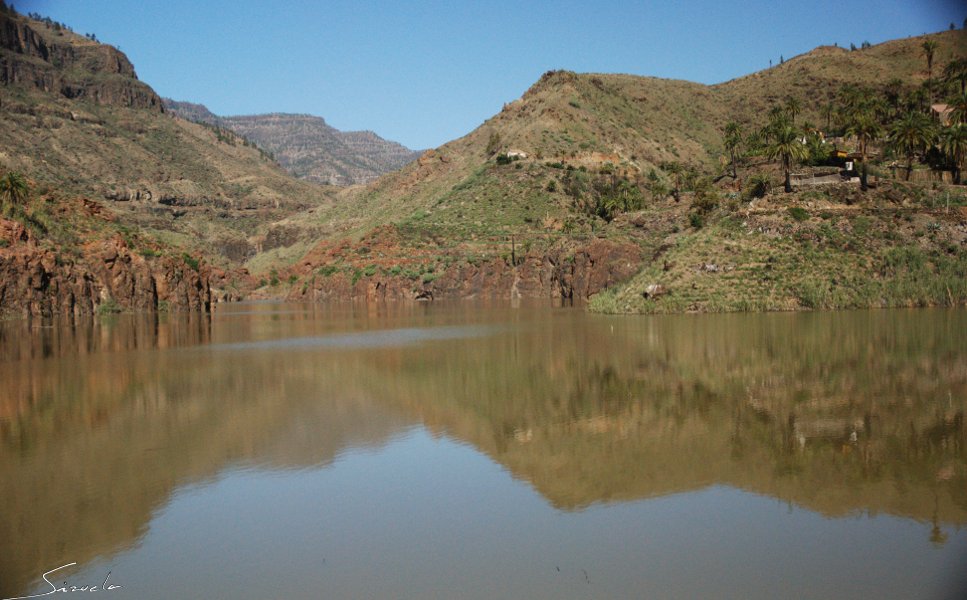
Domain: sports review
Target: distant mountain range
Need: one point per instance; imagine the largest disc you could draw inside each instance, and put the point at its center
(307, 146)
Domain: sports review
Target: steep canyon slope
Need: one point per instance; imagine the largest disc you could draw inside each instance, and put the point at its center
(588, 183)
(595, 177)
(75, 118)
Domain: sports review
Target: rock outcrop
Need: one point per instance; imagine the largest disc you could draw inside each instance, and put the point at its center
(566, 272)
(308, 147)
(36, 55)
(106, 276)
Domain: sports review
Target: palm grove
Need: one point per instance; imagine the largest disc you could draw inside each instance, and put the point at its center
(889, 130)
(895, 122)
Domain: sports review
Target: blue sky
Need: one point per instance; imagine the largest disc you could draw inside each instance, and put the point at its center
(423, 73)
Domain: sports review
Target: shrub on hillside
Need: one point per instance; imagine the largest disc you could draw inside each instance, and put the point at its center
(493, 143)
(758, 187)
(706, 199)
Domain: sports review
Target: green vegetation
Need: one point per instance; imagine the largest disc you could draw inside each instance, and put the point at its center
(953, 143)
(677, 173)
(602, 196)
(929, 49)
(757, 187)
(679, 181)
(191, 261)
(911, 136)
(108, 307)
(764, 262)
(864, 127)
(784, 144)
(733, 142)
(493, 143)
(956, 72)
(13, 192)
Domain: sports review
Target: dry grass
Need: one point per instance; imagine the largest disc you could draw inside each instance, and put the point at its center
(875, 255)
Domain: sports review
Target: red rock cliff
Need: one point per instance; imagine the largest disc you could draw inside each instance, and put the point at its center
(37, 281)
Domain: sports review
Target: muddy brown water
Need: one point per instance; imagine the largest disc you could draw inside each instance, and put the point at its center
(472, 450)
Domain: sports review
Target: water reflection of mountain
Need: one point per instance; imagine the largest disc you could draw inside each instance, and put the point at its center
(95, 437)
(840, 413)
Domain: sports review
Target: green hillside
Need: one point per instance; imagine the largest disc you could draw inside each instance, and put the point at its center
(636, 193)
(642, 164)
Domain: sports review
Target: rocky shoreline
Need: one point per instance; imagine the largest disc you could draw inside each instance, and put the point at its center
(106, 276)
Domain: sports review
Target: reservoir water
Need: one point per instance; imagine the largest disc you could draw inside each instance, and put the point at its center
(475, 450)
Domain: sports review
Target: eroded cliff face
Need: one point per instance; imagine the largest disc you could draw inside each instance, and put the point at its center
(380, 267)
(103, 275)
(35, 55)
(307, 147)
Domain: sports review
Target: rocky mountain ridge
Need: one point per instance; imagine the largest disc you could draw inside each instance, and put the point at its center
(307, 146)
(641, 162)
(74, 118)
(56, 60)
(582, 182)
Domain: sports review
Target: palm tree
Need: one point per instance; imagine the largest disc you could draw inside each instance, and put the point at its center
(793, 107)
(866, 129)
(893, 92)
(911, 135)
(916, 100)
(13, 189)
(929, 47)
(676, 170)
(778, 119)
(956, 70)
(958, 110)
(786, 145)
(754, 141)
(853, 99)
(778, 114)
(733, 139)
(953, 143)
(848, 96)
(828, 113)
(878, 106)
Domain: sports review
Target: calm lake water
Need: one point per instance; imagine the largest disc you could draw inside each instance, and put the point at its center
(486, 451)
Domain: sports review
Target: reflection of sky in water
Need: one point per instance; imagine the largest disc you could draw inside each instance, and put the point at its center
(426, 517)
(370, 339)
